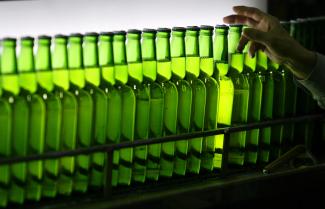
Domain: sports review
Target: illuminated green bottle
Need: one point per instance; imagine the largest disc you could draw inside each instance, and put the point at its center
(237, 143)
(142, 95)
(198, 97)
(11, 92)
(93, 78)
(85, 110)
(128, 108)
(53, 115)
(69, 113)
(267, 106)
(255, 80)
(114, 101)
(212, 94)
(164, 74)
(178, 64)
(156, 120)
(28, 84)
(5, 142)
(226, 97)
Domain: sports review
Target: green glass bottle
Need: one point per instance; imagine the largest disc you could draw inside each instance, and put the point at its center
(212, 94)
(156, 117)
(164, 74)
(20, 118)
(5, 143)
(53, 118)
(198, 97)
(178, 65)
(225, 104)
(28, 84)
(142, 95)
(237, 143)
(267, 106)
(128, 108)
(255, 80)
(85, 110)
(69, 113)
(93, 78)
(114, 100)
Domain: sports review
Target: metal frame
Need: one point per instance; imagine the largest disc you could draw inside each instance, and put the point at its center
(109, 148)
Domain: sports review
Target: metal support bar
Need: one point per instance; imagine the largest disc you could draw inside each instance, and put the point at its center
(135, 143)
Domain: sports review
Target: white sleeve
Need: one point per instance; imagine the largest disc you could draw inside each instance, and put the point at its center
(315, 83)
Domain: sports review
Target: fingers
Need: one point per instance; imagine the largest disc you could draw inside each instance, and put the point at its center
(250, 12)
(242, 42)
(256, 36)
(254, 47)
(239, 19)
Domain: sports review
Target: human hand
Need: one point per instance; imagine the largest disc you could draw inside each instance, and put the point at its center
(267, 34)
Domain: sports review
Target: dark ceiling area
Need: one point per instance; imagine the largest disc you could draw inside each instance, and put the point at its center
(292, 9)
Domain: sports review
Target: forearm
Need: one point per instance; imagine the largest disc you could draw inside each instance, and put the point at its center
(301, 62)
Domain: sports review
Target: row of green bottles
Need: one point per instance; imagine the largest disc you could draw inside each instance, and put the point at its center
(110, 88)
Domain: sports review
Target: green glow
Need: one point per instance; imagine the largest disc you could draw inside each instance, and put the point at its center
(108, 74)
(212, 95)
(36, 117)
(178, 66)
(53, 114)
(267, 105)
(142, 111)
(164, 70)
(69, 113)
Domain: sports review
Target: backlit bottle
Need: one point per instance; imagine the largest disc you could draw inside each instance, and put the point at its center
(69, 113)
(178, 65)
(142, 95)
(99, 124)
(212, 95)
(255, 80)
(148, 49)
(53, 115)
(225, 104)
(164, 74)
(128, 108)
(237, 143)
(5, 142)
(198, 97)
(114, 101)
(36, 123)
(267, 106)
(11, 92)
(84, 113)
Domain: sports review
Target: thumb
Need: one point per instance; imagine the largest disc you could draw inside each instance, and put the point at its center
(256, 35)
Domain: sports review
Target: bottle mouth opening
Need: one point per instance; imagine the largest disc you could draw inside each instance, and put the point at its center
(165, 30)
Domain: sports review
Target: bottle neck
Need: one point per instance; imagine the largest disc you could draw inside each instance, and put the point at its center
(177, 46)
(43, 57)
(119, 50)
(192, 54)
(75, 54)
(26, 58)
(133, 50)
(8, 59)
(233, 39)
(220, 48)
(105, 51)
(163, 47)
(148, 48)
(205, 46)
(59, 56)
(90, 53)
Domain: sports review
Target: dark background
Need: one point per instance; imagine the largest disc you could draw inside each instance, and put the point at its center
(292, 9)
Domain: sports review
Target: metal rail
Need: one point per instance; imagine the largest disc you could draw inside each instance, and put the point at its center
(135, 143)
